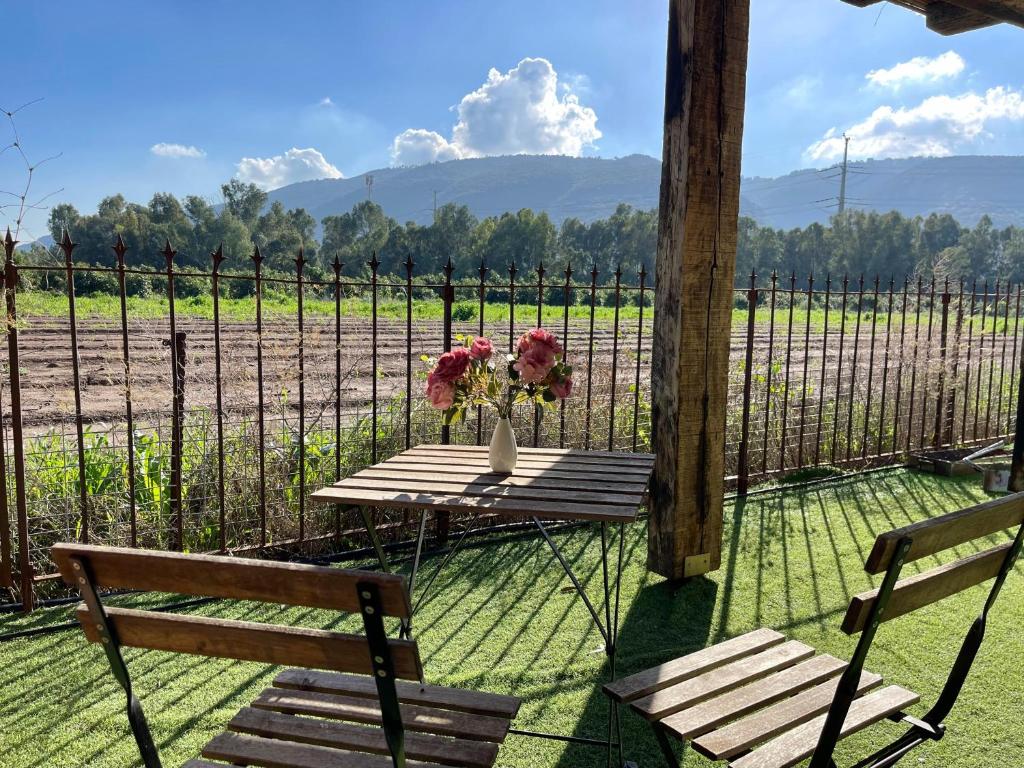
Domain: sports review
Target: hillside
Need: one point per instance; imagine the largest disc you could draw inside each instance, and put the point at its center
(590, 188)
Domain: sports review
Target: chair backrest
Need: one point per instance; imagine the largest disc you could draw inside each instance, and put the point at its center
(91, 567)
(930, 537)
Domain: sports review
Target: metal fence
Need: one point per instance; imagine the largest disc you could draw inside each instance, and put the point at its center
(195, 428)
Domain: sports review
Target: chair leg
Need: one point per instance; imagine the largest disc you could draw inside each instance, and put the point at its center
(666, 746)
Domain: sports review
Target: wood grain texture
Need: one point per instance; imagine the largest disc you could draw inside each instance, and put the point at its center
(359, 738)
(242, 749)
(927, 588)
(951, 17)
(795, 745)
(698, 214)
(675, 698)
(458, 699)
(248, 641)
(231, 577)
(644, 683)
(740, 735)
(739, 702)
(945, 531)
(361, 710)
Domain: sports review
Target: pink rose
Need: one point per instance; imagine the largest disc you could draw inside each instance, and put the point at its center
(440, 393)
(561, 388)
(538, 336)
(482, 349)
(538, 350)
(451, 365)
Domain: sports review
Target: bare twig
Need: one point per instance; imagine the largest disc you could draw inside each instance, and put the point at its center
(23, 204)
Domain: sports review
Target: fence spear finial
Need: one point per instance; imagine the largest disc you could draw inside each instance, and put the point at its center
(300, 261)
(482, 269)
(373, 264)
(120, 249)
(336, 265)
(9, 243)
(67, 245)
(218, 258)
(257, 257)
(409, 264)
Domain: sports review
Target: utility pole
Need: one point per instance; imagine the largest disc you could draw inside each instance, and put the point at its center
(369, 186)
(435, 206)
(842, 183)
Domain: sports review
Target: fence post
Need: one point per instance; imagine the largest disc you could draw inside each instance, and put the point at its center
(481, 306)
(374, 265)
(68, 248)
(743, 463)
(337, 265)
(615, 357)
(442, 520)
(177, 345)
(409, 266)
(639, 351)
(300, 262)
(218, 258)
(14, 372)
(120, 249)
(565, 351)
(943, 340)
(537, 407)
(257, 259)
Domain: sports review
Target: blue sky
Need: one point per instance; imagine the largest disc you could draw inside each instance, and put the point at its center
(179, 97)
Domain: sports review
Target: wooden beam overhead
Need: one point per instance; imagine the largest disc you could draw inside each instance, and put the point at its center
(705, 86)
(951, 17)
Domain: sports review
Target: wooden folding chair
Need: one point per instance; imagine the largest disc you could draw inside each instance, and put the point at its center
(359, 713)
(759, 701)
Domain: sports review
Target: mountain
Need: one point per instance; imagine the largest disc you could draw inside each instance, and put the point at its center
(589, 188)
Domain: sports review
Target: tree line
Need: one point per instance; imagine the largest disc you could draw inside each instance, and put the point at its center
(855, 242)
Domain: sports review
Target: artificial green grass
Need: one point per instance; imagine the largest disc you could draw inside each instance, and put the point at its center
(501, 619)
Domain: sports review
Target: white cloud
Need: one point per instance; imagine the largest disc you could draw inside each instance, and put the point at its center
(177, 151)
(325, 102)
(938, 126)
(280, 170)
(518, 112)
(919, 70)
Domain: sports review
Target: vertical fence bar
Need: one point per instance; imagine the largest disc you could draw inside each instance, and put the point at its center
(927, 362)
(853, 368)
(442, 520)
(639, 355)
(177, 396)
(967, 366)
(898, 400)
(17, 436)
(839, 367)
(565, 350)
(785, 386)
(120, 249)
(537, 407)
(1002, 359)
(981, 360)
(1013, 365)
(374, 264)
(300, 262)
(943, 341)
(615, 358)
(482, 296)
(6, 549)
(807, 356)
(885, 370)
(218, 259)
(68, 248)
(590, 354)
(409, 265)
(871, 372)
(511, 307)
(992, 360)
(824, 361)
(954, 374)
(257, 259)
(743, 460)
(337, 387)
(913, 369)
(768, 375)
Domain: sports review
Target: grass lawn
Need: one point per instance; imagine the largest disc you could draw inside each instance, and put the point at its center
(501, 620)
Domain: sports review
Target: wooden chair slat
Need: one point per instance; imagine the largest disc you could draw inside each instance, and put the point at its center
(527, 507)
(735, 704)
(202, 764)
(677, 697)
(231, 577)
(939, 533)
(644, 683)
(792, 747)
(248, 641)
(358, 738)
(457, 699)
(242, 749)
(361, 710)
(927, 588)
(740, 735)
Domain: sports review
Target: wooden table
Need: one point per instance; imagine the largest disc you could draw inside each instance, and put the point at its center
(548, 484)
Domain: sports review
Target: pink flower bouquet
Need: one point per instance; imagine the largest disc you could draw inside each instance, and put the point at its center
(468, 376)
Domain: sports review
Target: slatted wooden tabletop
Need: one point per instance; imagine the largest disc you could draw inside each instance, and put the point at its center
(552, 483)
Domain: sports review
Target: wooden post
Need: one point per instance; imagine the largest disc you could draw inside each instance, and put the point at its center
(699, 206)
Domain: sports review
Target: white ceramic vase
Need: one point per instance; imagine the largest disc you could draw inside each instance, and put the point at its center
(503, 453)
